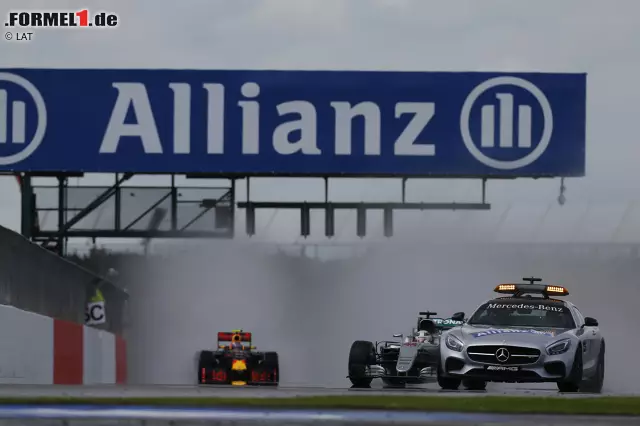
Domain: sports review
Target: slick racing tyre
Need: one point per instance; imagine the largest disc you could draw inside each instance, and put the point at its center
(361, 355)
(271, 363)
(206, 362)
(574, 382)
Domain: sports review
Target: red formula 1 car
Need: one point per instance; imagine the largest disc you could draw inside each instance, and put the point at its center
(235, 362)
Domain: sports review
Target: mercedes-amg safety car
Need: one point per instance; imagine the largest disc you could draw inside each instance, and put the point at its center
(411, 360)
(527, 336)
(236, 362)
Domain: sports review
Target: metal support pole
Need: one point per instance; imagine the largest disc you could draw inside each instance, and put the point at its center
(118, 203)
(61, 213)
(404, 190)
(174, 203)
(484, 190)
(28, 218)
(232, 205)
(326, 189)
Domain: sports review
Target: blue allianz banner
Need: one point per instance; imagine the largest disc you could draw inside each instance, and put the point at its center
(349, 123)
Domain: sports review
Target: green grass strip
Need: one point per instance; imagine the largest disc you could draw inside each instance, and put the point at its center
(480, 404)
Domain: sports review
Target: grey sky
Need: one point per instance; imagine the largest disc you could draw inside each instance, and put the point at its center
(598, 37)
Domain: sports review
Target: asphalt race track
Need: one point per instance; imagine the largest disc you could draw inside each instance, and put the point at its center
(269, 392)
(184, 417)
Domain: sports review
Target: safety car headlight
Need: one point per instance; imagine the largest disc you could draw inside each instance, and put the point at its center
(559, 347)
(454, 343)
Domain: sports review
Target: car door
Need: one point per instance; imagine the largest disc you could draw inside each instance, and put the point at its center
(589, 338)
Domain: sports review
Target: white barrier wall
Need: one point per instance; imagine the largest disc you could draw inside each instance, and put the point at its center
(26, 347)
(35, 349)
(99, 357)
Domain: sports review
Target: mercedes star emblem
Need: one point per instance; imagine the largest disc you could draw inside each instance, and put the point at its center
(502, 355)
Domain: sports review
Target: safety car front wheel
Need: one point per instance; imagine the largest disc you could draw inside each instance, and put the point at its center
(573, 383)
(447, 383)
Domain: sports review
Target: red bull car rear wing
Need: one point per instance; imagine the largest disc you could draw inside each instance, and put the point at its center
(234, 336)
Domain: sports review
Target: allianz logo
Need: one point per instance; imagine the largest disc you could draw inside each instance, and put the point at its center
(509, 331)
(295, 126)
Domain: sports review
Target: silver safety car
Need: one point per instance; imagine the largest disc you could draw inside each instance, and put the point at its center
(527, 336)
(410, 360)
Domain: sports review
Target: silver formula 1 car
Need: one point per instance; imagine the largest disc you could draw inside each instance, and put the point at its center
(411, 360)
(528, 336)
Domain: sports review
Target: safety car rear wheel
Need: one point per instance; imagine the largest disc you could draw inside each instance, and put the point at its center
(595, 383)
(361, 355)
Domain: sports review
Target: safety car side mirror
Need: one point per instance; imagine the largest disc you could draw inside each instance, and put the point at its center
(590, 322)
(458, 316)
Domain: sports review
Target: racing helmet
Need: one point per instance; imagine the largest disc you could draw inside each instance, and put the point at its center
(421, 336)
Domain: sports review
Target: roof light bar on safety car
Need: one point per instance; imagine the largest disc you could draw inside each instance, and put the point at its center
(517, 290)
(505, 288)
(557, 290)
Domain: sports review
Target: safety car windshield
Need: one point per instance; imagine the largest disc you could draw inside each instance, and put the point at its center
(523, 314)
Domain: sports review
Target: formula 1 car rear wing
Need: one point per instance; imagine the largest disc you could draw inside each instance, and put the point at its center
(234, 336)
(426, 322)
(443, 324)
